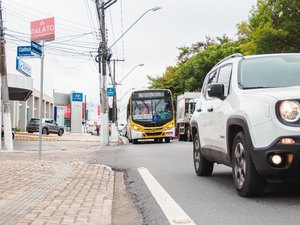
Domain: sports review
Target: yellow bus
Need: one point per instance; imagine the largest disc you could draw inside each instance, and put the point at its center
(150, 115)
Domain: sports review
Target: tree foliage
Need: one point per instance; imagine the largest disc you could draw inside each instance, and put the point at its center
(273, 27)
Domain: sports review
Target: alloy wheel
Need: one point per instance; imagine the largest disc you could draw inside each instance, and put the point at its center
(239, 165)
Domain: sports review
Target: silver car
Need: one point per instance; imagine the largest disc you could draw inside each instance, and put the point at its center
(49, 126)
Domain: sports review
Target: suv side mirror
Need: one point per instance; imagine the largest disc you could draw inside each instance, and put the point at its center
(216, 90)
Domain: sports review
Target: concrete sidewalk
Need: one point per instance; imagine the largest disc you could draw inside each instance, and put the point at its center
(52, 193)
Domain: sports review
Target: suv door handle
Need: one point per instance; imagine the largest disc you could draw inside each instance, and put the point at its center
(199, 110)
(210, 109)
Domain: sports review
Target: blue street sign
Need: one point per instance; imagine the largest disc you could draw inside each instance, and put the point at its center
(36, 49)
(77, 97)
(110, 92)
(23, 67)
(24, 51)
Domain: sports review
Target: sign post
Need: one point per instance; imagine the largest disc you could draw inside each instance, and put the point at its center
(41, 30)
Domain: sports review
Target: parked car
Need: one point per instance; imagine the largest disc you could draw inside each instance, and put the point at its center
(248, 117)
(13, 132)
(49, 126)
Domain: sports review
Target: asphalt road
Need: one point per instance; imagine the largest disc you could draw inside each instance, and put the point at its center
(207, 200)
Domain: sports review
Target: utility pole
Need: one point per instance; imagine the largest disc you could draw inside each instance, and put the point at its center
(114, 122)
(8, 143)
(102, 58)
(114, 112)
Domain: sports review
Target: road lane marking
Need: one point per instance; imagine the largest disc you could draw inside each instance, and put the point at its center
(170, 208)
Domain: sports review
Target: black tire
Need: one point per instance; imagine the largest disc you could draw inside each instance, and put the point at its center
(135, 141)
(202, 166)
(60, 132)
(185, 137)
(167, 140)
(160, 140)
(44, 130)
(245, 177)
(180, 137)
(155, 140)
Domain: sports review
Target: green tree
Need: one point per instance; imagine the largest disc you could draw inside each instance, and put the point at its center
(189, 75)
(274, 27)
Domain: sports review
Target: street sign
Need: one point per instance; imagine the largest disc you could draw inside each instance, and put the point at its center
(23, 67)
(43, 30)
(36, 49)
(77, 97)
(23, 51)
(110, 92)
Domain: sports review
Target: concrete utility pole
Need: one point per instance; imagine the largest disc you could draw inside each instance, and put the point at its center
(114, 122)
(8, 143)
(114, 112)
(102, 57)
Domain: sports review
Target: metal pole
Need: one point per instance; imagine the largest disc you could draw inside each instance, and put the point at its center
(41, 108)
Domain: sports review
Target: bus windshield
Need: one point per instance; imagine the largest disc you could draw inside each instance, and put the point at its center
(151, 110)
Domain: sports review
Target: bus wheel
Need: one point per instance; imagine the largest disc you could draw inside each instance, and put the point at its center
(135, 141)
(155, 140)
(160, 140)
(167, 140)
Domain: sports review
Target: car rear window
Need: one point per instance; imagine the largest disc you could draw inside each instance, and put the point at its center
(34, 121)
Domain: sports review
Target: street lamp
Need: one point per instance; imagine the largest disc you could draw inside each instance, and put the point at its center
(120, 83)
(131, 89)
(114, 116)
(153, 9)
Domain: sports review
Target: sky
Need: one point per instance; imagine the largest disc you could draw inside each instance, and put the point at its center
(153, 39)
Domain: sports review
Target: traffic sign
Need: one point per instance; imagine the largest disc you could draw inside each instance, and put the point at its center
(36, 49)
(23, 67)
(110, 92)
(23, 51)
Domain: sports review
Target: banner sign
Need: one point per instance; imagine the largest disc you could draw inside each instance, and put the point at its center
(77, 97)
(42, 30)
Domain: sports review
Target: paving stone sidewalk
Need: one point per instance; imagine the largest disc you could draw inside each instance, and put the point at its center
(53, 193)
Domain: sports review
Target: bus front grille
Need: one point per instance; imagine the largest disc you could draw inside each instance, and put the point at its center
(153, 134)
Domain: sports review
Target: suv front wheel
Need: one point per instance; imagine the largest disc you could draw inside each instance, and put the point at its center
(202, 166)
(246, 179)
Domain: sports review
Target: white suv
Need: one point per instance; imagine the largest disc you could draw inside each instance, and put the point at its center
(248, 117)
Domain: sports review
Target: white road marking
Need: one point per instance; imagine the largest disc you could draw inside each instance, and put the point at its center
(171, 209)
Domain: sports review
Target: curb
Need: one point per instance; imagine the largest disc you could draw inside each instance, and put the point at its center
(36, 138)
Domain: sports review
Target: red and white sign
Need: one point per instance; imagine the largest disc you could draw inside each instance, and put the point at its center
(42, 30)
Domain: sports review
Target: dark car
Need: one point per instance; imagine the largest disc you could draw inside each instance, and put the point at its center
(49, 126)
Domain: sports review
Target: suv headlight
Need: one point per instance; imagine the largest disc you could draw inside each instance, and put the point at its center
(289, 111)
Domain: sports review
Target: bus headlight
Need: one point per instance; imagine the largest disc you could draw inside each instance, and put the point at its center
(170, 126)
(289, 111)
(136, 128)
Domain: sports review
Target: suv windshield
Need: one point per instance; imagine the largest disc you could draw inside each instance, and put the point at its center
(270, 72)
(151, 110)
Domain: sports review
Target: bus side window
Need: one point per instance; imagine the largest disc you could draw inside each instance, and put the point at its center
(128, 110)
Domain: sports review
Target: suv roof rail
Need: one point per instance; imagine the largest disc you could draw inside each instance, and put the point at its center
(230, 57)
